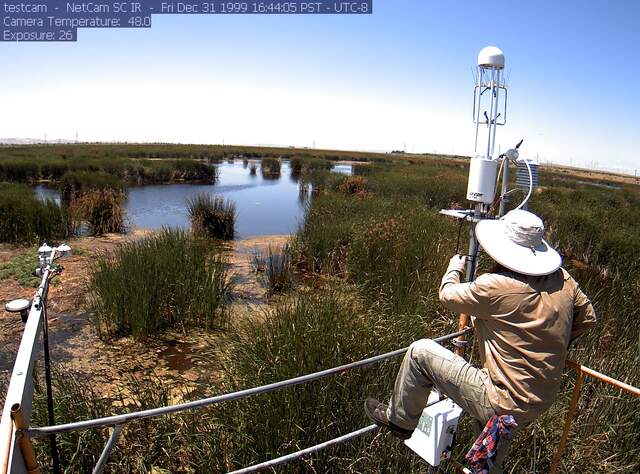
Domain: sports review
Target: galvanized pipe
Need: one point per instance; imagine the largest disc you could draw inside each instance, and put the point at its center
(299, 454)
(102, 462)
(155, 412)
(464, 320)
(303, 452)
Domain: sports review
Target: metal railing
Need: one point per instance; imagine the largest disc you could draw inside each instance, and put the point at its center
(16, 449)
(17, 408)
(573, 406)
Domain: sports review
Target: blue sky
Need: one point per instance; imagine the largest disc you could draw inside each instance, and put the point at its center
(374, 82)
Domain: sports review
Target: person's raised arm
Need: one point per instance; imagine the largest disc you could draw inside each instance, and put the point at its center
(468, 298)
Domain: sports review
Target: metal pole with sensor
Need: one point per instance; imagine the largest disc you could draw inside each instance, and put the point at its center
(37, 308)
(490, 90)
(434, 437)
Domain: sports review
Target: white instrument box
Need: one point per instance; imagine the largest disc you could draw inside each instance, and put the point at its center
(433, 436)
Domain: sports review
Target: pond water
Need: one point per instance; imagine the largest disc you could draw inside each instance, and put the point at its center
(600, 185)
(264, 206)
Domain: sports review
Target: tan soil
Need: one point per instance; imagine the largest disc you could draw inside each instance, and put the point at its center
(179, 359)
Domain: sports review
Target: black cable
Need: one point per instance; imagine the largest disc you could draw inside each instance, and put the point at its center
(47, 371)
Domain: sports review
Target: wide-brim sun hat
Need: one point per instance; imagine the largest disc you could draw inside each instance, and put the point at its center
(516, 242)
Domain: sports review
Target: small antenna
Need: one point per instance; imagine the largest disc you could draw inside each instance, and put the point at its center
(507, 78)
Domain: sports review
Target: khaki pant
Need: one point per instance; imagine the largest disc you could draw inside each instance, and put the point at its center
(427, 365)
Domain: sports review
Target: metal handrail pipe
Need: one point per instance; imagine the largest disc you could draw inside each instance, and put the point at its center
(167, 410)
(605, 378)
(104, 457)
(318, 447)
(573, 406)
(304, 452)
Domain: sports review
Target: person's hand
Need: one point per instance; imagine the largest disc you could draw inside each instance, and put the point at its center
(457, 263)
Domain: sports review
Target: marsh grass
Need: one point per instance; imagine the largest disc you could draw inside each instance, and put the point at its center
(75, 184)
(95, 199)
(394, 248)
(296, 168)
(166, 280)
(101, 209)
(312, 331)
(26, 219)
(596, 226)
(380, 262)
(212, 216)
(271, 168)
(276, 269)
(75, 400)
(33, 164)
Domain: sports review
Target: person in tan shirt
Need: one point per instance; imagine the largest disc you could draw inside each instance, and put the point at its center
(525, 313)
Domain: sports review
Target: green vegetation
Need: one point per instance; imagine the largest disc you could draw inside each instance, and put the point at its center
(74, 184)
(596, 226)
(305, 164)
(277, 269)
(101, 209)
(394, 248)
(326, 328)
(94, 198)
(21, 268)
(166, 280)
(75, 400)
(313, 331)
(296, 167)
(26, 219)
(271, 168)
(373, 249)
(212, 217)
(129, 164)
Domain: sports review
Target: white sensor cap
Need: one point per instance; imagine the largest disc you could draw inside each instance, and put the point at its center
(16, 306)
(491, 57)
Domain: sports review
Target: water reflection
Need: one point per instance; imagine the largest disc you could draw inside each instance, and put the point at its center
(269, 202)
